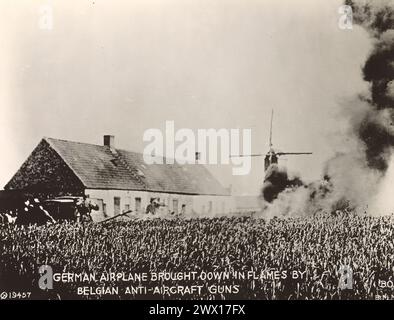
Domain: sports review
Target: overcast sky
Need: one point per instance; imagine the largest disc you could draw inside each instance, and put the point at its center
(121, 67)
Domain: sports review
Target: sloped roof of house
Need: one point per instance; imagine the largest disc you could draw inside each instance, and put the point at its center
(100, 167)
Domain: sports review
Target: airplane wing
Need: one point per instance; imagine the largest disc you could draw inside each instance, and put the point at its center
(291, 153)
(246, 155)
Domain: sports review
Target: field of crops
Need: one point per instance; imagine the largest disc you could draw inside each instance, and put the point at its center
(316, 246)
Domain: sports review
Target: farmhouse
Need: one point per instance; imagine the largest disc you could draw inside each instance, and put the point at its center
(118, 180)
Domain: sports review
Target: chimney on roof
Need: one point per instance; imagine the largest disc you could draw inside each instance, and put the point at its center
(109, 141)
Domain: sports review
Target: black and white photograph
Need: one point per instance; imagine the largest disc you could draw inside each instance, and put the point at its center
(196, 150)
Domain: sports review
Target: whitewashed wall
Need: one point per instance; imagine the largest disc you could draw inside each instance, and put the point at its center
(212, 205)
(200, 204)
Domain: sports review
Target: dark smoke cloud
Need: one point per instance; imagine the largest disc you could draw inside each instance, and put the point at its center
(376, 16)
(291, 197)
(277, 180)
(376, 128)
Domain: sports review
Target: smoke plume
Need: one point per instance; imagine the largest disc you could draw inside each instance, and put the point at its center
(277, 180)
(376, 128)
(361, 174)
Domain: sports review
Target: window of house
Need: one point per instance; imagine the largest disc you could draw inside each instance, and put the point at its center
(116, 205)
(105, 210)
(175, 206)
(137, 204)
